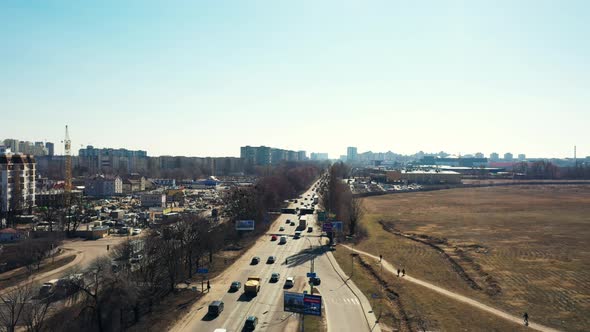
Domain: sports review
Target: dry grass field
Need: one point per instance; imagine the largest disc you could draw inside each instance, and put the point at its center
(521, 248)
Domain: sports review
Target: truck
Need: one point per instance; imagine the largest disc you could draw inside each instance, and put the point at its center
(252, 286)
(302, 223)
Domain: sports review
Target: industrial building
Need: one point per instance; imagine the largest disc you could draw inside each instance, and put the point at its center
(423, 177)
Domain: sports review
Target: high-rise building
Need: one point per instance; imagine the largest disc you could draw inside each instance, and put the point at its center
(17, 181)
(301, 155)
(319, 156)
(508, 156)
(107, 159)
(479, 155)
(521, 157)
(351, 154)
(50, 149)
(494, 156)
(263, 155)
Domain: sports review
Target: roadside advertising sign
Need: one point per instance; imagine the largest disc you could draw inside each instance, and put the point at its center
(337, 226)
(327, 227)
(303, 303)
(245, 225)
(312, 305)
(293, 302)
(202, 270)
(311, 274)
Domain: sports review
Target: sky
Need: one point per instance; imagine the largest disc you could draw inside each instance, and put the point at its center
(202, 78)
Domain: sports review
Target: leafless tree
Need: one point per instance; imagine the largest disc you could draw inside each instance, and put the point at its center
(355, 214)
(35, 314)
(13, 304)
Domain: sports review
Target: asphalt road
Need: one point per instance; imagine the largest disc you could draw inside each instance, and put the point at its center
(343, 308)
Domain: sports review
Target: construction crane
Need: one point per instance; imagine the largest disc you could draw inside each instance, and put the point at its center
(68, 153)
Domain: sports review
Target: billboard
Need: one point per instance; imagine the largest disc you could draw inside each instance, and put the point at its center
(312, 305)
(337, 226)
(245, 225)
(293, 302)
(327, 227)
(321, 215)
(303, 303)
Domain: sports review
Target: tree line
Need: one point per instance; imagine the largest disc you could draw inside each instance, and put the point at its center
(337, 200)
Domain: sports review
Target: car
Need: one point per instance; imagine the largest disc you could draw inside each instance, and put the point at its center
(255, 260)
(288, 221)
(273, 238)
(297, 235)
(289, 282)
(283, 240)
(235, 286)
(309, 229)
(251, 323)
(274, 277)
(270, 260)
(215, 308)
(315, 281)
(136, 231)
(281, 229)
(292, 223)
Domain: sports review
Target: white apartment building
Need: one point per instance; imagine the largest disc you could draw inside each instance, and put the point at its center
(17, 181)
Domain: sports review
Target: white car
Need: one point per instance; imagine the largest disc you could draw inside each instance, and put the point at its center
(136, 231)
(289, 282)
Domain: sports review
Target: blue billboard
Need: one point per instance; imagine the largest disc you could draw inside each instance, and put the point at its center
(245, 225)
(312, 305)
(303, 303)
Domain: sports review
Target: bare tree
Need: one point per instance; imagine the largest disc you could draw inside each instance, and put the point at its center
(13, 304)
(36, 313)
(355, 214)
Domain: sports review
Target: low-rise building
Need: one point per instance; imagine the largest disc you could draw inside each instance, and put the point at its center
(103, 186)
(153, 199)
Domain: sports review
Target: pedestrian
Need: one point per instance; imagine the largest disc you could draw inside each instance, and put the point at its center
(208, 286)
(380, 258)
(526, 319)
(398, 271)
(403, 272)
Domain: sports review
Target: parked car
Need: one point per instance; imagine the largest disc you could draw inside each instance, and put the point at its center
(251, 323)
(255, 260)
(297, 235)
(136, 231)
(289, 282)
(273, 238)
(135, 259)
(281, 229)
(288, 221)
(274, 277)
(235, 286)
(309, 229)
(283, 240)
(215, 308)
(270, 260)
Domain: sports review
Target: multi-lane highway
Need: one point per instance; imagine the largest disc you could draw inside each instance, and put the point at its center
(342, 306)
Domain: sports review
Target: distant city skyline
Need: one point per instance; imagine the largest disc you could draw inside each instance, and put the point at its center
(204, 78)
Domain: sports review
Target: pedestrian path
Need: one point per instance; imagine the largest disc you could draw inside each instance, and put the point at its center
(499, 313)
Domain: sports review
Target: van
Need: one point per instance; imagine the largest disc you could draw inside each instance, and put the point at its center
(215, 308)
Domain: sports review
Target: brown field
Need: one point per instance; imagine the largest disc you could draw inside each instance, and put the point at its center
(519, 248)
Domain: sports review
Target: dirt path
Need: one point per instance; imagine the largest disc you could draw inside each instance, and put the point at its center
(516, 319)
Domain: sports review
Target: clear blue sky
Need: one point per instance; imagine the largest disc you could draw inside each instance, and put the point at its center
(205, 77)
